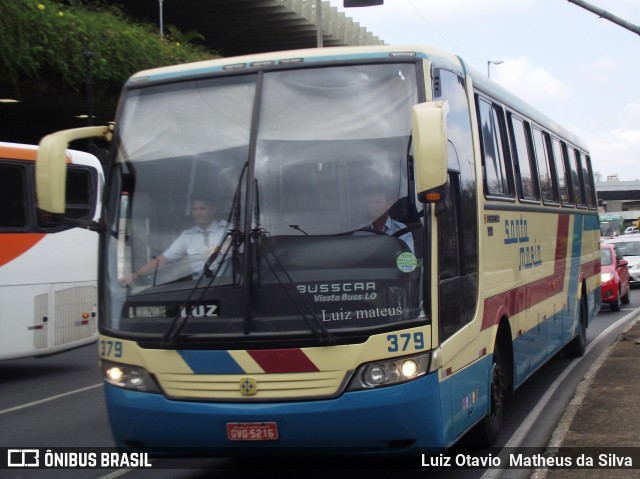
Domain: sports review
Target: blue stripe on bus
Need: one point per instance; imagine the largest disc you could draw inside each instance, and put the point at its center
(576, 247)
(210, 362)
(591, 223)
(574, 274)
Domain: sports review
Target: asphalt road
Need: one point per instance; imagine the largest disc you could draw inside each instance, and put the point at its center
(58, 402)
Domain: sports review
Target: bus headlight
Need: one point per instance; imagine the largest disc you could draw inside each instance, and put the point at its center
(128, 377)
(386, 373)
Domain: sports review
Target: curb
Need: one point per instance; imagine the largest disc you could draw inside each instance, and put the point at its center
(562, 429)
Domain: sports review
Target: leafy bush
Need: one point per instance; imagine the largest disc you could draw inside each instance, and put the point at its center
(48, 44)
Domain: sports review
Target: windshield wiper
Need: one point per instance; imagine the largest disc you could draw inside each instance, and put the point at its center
(315, 324)
(297, 227)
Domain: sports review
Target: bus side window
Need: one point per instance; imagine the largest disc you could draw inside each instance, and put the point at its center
(526, 174)
(587, 178)
(546, 171)
(80, 193)
(13, 201)
(497, 169)
(80, 200)
(561, 172)
(576, 173)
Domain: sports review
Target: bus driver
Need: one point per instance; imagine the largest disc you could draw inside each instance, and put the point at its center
(382, 223)
(198, 242)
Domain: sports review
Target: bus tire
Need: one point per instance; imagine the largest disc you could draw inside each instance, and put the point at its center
(489, 429)
(577, 346)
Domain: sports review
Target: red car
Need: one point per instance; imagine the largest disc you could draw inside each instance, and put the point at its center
(614, 277)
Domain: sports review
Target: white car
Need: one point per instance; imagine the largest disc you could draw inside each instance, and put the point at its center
(630, 230)
(629, 247)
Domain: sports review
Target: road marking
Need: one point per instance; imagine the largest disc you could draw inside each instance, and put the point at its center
(35, 403)
(118, 473)
(112, 475)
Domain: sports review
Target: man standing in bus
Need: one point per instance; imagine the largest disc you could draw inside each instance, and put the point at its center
(196, 243)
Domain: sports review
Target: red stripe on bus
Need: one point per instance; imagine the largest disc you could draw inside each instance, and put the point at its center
(514, 301)
(13, 245)
(283, 361)
(588, 270)
(562, 240)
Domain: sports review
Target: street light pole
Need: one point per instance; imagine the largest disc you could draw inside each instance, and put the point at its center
(319, 23)
(88, 56)
(495, 62)
(161, 19)
(608, 16)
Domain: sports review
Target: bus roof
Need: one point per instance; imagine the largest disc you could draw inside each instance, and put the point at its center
(311, 55)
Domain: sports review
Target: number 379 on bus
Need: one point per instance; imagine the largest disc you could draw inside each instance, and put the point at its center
(405, 342)
(110, 348)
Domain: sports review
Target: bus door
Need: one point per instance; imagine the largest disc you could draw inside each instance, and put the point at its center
(457, 305)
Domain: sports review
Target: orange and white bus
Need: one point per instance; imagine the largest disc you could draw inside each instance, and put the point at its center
(48, 273)
(335, 324)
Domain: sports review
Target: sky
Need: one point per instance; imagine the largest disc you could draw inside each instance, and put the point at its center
(579, 69)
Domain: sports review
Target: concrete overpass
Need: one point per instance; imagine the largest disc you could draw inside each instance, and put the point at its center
(619, 193)
(235, 27)
(621, 197)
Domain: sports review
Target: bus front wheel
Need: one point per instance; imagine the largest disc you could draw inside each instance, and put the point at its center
(578, 345)
(489, 429)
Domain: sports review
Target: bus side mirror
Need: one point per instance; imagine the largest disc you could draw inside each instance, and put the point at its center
(429, 125)
(51, 165)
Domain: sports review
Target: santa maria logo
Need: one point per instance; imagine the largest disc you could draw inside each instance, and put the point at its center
(407, 262)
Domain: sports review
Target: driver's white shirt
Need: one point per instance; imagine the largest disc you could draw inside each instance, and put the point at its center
(390, 227)
(191, 244)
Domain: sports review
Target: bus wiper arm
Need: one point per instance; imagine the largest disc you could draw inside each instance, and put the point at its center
(235, 237)
(180, 319)
(312, 320)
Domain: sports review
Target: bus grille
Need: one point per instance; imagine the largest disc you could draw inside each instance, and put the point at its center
(71, 303)
(268, 386)
(40, 311)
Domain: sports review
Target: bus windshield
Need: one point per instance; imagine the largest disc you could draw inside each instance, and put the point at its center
(312, 212)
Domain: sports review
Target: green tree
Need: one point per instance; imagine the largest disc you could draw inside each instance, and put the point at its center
(46, 44)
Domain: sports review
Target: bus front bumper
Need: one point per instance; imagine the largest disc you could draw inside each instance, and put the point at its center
(404, 416)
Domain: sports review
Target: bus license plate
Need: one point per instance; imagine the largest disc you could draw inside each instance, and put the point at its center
(252, 431)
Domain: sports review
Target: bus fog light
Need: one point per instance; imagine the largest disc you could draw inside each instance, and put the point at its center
(386, 373)
(128, 377)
